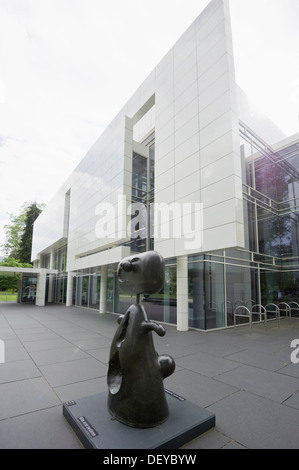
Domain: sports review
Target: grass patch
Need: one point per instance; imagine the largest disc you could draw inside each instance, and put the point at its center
(8, 296)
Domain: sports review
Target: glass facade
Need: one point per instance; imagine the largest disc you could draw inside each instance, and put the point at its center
(266, 271)
(139, 203)
(60, 287)
(272, 195)
(142, 196)
(56, 290)
(27, 288)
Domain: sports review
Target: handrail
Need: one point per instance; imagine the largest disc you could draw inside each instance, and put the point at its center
(239, 303)
(259, 309)
(248, 315)
(293, 308)
(260, 306)
(287, 310)
(277, 311)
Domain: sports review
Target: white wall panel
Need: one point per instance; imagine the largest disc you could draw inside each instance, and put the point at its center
(221, 191)
(187, 148)
(190, 98)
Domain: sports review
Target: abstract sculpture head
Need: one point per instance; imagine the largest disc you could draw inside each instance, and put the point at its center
(141, 274)
(135, 375)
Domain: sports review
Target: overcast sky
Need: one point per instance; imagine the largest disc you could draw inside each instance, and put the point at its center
(68, 66)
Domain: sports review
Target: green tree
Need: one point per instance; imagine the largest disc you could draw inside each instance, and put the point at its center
(9, 281)
(24, 251)
(19, 232)
(13, 233)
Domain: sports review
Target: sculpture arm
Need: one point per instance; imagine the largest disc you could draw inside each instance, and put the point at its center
(151, 325)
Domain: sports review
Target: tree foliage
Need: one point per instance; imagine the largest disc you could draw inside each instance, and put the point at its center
(19, 232)
(10, 281)
(13, 233)
(24, 251)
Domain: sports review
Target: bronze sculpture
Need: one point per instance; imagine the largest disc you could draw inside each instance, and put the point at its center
(135, 376)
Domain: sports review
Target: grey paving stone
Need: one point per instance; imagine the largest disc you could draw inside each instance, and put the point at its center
(7, 333)
(187, 339)
(221, 346)
(247, 381)
(82, 389)
(234, 445)
(79, 334)
(18, 370)
(25, 396)
(96, 342)
(261, 382)
(27, 331)
(73, 371)
(210, 440)
(22, 322)
(258, 358)
(38, 336)
(177, 350)
(46, 345)
(256, 422)
(54, 356)
(293, 401)
(45, 429)
(207, 364)
(291, 370)
(198, 389)
(15, 351)
(100, 354)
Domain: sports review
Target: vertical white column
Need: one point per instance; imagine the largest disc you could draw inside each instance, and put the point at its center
(69, 289)
(41, 288)
(182, 293)
(93, 294)
(103, 291)
(79, 291)
(51, 278)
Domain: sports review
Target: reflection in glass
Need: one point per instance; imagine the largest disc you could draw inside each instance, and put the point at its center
(206, 295)
(241, 289)
(94, 294)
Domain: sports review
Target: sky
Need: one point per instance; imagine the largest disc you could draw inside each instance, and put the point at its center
(67, 67)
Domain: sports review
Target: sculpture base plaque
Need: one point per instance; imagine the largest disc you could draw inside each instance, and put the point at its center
(96, 429)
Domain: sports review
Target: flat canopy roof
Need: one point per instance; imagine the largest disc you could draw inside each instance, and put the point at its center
(13, 270)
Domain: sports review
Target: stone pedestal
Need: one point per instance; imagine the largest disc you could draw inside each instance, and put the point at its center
(96, 429)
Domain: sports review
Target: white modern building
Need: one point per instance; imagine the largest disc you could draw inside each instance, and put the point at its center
(183, 169)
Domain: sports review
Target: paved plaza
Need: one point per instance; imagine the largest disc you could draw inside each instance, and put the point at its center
(54, 354)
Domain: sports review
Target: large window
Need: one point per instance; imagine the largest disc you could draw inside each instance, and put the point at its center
(206, 293)
(272, 192)
(143, 175)
(60, 260)
(139, 201)
(87, 290)
(60, 288)
(271, 196)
